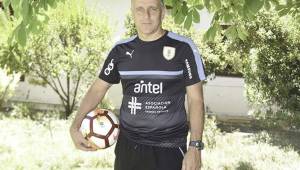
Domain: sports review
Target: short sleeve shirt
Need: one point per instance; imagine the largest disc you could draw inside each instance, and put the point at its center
(154, 76)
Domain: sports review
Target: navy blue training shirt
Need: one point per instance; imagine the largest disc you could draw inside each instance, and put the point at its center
(154, 75)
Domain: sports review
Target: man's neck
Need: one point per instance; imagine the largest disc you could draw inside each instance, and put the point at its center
(152, 37)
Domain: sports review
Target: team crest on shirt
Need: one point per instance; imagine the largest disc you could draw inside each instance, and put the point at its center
(169, 52)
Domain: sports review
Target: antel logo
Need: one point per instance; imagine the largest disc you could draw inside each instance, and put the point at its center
(143, 87)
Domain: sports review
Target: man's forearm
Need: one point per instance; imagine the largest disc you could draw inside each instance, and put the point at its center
(192, 159)
(87, 104)
(196, 111)
(90, 101)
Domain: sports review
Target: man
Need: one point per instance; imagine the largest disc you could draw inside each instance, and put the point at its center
(157, 68)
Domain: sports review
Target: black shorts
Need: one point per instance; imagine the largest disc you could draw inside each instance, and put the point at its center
(134, 156)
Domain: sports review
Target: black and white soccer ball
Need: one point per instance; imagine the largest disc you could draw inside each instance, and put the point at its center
(101, 128)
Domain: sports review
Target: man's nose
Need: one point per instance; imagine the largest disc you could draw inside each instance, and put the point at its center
(147, 15)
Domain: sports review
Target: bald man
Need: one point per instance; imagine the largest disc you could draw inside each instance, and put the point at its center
(157, 68)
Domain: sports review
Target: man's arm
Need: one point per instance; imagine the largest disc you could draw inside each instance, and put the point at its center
(196, 110)
(90, 101)
(192, 159)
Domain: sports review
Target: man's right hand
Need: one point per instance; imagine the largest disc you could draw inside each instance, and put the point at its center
(79, 141)
(94, 95)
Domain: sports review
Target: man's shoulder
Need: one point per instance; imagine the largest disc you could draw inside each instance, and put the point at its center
(181, 38)
(124, 41)
(120, 45)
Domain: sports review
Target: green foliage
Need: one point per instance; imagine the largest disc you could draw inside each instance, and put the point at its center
(130, 27)
(219, 60)
(69, 48)
(269, 61)
(228, 12)
(272, 71)
(11, 58)
(30, 15)
(245, 166)
(23, 111)
(66, 53)
(276, 119)
(263, 136)
(211, 132)
(8, 84)
(10, 54)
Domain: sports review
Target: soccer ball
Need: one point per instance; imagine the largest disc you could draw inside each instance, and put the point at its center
(101, 128)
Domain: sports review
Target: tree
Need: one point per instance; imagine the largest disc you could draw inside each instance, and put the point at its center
(228, 12)
(67, 52)
(269, 61)
(31, 14)
(272, 70)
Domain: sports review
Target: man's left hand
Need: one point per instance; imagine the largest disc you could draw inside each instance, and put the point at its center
(192, 159)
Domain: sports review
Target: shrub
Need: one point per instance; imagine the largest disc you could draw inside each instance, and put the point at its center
(8, 84)
(211, 132)
(269, 62)
(272, 70)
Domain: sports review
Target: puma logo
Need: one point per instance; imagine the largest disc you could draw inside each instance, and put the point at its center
(130, 54)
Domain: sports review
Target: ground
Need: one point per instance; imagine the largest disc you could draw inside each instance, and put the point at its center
(30, 145)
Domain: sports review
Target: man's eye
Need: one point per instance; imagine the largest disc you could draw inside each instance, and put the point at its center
(153, 9)
(139, 9)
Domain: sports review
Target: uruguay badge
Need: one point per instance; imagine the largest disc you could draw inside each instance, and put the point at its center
(169, 52)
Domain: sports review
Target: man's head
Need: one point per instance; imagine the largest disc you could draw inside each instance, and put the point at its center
(148, 15)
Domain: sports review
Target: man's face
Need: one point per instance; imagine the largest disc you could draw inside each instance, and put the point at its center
(147, 15)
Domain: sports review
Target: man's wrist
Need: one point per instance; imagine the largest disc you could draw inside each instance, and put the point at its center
(197, 144)
(193, 148)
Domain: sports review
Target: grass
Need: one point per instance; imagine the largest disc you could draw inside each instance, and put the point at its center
(33, 145)
(27, 144)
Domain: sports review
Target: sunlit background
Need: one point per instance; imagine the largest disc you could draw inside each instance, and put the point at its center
(252, 97)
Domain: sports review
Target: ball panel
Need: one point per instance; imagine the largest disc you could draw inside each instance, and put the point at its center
(101, 125)
(97, 142)
(113, 117)
(85, 127)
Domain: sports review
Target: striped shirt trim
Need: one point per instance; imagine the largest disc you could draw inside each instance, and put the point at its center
(125, 41)
(153, 72)
(157, 77)
(197, 56)
(163, 75)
